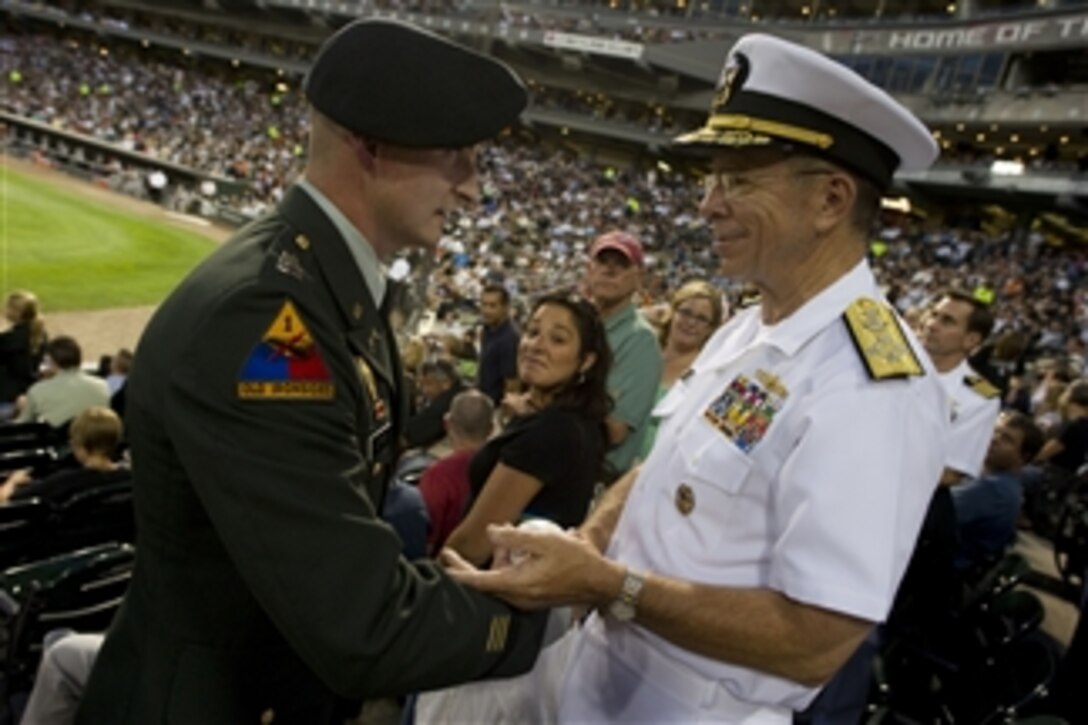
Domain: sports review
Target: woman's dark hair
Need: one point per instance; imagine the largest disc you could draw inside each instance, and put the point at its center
(586, 393)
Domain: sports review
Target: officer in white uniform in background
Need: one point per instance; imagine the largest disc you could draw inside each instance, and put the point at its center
(768, 529)
(956, 326)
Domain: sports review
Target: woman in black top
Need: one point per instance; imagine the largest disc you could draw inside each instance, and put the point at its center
(547, 460)
(20, 346)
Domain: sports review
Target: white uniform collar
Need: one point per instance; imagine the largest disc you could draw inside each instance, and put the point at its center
(791, 333)
(957, 373)
(366, 259)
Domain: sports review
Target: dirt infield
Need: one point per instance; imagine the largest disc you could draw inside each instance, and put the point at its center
(103, 332)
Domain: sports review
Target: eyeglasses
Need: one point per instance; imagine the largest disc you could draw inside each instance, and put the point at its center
(693, 317)
(732, 185)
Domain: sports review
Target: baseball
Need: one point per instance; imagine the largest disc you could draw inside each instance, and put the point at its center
(543, 525)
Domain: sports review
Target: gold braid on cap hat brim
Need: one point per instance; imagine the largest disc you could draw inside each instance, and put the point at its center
(738, 130)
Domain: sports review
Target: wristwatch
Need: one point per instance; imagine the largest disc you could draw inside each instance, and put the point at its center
(624, 607)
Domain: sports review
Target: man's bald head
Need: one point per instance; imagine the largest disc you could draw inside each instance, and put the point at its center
(471, 417)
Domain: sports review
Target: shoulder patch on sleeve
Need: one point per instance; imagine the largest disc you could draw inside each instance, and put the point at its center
(982, 386)
(880, 340)
(285, 364)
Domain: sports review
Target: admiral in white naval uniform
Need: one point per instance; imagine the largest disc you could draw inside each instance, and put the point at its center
(768, 529)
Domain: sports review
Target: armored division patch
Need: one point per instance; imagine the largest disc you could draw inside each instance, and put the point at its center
(286, 363)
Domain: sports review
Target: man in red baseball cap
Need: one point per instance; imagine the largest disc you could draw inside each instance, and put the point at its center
(614, 274)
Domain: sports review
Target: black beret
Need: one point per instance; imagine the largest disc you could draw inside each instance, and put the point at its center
(392, 81)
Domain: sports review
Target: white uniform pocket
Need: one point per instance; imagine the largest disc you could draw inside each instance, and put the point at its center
(698, 496)
(711, 459)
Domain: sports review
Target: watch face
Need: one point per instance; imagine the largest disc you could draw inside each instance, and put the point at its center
(621, 610)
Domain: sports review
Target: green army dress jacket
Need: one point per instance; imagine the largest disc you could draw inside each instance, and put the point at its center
(263, 416)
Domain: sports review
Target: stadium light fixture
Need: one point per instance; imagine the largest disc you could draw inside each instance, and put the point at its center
(1007, 168)
(898, 203)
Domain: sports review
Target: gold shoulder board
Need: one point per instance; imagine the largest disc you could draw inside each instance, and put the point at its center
(880, 340)
(982, 386)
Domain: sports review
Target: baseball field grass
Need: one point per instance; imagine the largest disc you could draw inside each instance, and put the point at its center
(87, 252)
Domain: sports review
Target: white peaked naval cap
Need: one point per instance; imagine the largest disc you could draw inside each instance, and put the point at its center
(772, 91)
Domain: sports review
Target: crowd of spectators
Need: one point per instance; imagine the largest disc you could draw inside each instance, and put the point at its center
(541, 210)
(541, 206)
(647, 22)
(646, 26)
(207, 117)
(646, 116)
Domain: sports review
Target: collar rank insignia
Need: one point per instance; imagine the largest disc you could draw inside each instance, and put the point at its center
(982, 386)
(746, 408)
(286, 363)
(880, 340)
(288, 263)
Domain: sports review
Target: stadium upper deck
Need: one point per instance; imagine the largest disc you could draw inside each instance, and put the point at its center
(1012, 88)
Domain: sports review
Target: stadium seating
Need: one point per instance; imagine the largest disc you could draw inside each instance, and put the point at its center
(1070, 535)
(38, 460)
(33, 529)
(23, 531)
(977, 663)
(80, 591)
(102, 513)
(27, 436)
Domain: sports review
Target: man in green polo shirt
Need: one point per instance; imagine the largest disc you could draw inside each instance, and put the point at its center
(614, 273)
(68, 391)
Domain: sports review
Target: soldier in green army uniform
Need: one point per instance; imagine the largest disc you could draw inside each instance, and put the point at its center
(265, 415)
